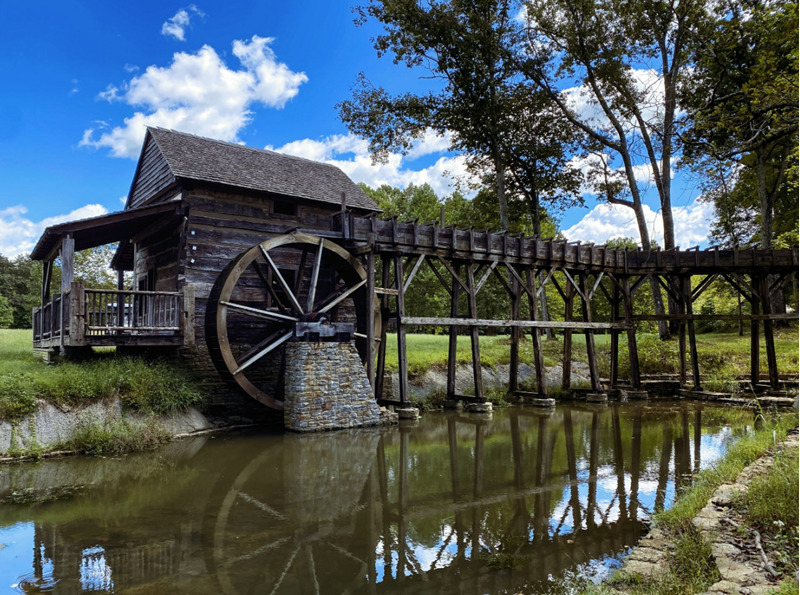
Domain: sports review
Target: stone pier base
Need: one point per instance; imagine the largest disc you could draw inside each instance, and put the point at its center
(326, 388)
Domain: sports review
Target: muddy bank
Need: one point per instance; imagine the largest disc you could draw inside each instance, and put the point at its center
(52, 425)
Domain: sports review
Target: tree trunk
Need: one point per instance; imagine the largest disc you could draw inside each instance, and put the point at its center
(500, 180)
(766, 201)
(536, 220)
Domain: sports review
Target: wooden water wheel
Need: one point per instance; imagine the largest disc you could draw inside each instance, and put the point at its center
(290, 287)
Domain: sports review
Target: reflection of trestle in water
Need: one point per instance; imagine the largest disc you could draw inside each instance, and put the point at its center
(538, 541)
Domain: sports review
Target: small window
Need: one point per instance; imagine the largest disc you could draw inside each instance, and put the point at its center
(282, 207)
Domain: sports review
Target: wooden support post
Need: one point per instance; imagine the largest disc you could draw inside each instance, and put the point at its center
(755, 305)
(681, 334)
(513, 372)
(370, 349)
(47, 275)
(67, 262)
(536, 337)
(614, 355)
(477, 370)
(452, 347)
(76, 322)
(633, 351)
(402, 356)
(591, 353)
(380, 372)
(566, 364)
(121, 302)
(687, 296)
(187, 320)
(769, 338)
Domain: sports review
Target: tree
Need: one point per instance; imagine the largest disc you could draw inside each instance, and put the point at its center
(743, 102)
(6, 313)
(20, 281)
(623, 60)
(466, 46)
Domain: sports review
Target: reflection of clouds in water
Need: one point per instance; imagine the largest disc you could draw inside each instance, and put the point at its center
(713, 447)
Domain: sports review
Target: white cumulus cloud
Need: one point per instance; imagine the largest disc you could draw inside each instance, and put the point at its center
(175, 26)
(19, 234)
(605, 222)
(198, 93)
(351, 154)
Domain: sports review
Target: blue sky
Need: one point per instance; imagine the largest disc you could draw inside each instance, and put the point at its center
(81, 79)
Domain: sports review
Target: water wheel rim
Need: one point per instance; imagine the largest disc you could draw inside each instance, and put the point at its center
(349, 269)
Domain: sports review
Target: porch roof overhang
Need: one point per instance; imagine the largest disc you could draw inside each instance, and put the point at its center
(105, 229)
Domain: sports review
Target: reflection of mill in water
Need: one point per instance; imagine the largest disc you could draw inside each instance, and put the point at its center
(354, 511)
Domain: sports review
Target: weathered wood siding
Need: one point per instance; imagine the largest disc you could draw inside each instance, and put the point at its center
(161, 253)
(152, 177)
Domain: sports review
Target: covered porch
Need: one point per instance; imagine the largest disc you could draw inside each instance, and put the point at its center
(79, 316)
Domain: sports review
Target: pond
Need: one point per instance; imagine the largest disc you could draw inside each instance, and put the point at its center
(453, 503)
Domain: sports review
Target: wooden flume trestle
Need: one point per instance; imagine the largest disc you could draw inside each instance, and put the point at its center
(464, 260)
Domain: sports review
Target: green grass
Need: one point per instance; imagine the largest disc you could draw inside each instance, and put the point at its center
(117, 436)
(723, 357)
(770, 506)
(149, 386)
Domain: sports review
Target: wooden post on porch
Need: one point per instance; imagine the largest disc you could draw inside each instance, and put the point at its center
(77, 316)
(67, 262)
(187, 320)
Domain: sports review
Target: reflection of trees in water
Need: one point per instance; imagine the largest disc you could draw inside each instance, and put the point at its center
(425, 507)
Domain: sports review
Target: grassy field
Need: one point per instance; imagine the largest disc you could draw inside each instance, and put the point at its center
(722, 355)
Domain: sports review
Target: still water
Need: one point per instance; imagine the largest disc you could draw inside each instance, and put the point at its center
(455, 503)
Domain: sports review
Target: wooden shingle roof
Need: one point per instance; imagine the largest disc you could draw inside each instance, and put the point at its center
(193, 157)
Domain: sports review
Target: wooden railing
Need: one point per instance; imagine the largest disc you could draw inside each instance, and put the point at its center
(109, 312)
(96, 316)
(48, 320)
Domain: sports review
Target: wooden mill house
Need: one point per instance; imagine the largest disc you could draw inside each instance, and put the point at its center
(195, 206)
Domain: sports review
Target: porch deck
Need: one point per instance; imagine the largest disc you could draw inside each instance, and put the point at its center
(100, 317)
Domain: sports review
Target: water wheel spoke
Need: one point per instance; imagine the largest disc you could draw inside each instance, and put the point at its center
(261, 505)
(312, 286)
(259, 313)
(285, 571)
(313, 567)
(255, 552)
(261, 349)
(343, 296)
(282, 281)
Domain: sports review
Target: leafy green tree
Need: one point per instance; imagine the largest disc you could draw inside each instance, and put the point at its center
(20, 281)
(743, 103)
(93, 267)
(478, 99)
(6, 312)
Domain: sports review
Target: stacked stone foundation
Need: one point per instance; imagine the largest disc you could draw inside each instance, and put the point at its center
(326, 388)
